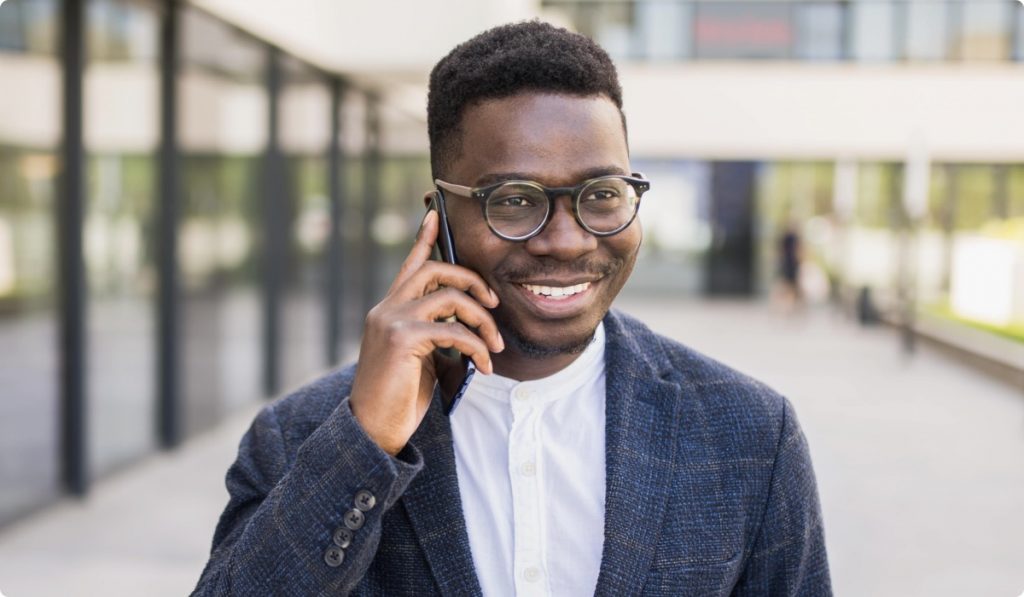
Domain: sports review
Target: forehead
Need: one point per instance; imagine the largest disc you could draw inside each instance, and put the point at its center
(551, 138)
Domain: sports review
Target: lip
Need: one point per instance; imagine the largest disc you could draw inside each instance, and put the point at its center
(544, 307)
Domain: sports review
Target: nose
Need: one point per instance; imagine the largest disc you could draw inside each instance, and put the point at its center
(563, 238)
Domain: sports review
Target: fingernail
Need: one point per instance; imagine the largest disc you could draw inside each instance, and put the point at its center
(494, 296)
(423, 224)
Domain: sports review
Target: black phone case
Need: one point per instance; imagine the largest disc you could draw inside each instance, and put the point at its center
(455, 370)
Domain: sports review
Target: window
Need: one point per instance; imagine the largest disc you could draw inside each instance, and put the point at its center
(29, 368)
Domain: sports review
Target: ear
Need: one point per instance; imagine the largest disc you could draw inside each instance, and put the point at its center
(428, 197)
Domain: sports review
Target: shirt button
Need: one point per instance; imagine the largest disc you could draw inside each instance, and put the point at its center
(334, 556)
(342, 537)
(523, 394)
(354, 519)
(528, 469)
(365, 501)
(532, 574)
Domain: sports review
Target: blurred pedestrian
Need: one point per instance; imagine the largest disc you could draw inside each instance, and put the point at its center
(790, 255)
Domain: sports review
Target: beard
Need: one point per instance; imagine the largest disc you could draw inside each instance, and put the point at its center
(515, 338)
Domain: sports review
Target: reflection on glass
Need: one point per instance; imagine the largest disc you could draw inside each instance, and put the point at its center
(120, 140)
(664, 29)
(819, 31)
(1018, 25)
(28, 258)
(305, 124)
(877, 198)
(985, 34)
(974, 196)
(1015, 192)
(223, 133)
(873, 31)
(743, 30)
(927, 23)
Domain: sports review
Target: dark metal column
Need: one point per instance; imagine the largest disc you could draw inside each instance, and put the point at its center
(371, 200)
(274, 229)
(169, 401)
(70, 210)
(335, 273)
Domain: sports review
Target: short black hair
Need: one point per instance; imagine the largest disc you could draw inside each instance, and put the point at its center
(504, 61)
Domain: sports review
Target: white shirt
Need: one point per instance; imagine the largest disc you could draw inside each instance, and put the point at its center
(530, 463)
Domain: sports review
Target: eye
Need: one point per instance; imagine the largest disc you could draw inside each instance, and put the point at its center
(511, 201)
(602, 195)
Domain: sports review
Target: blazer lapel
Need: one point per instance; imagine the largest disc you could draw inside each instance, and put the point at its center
(642, 419)
(435, 509)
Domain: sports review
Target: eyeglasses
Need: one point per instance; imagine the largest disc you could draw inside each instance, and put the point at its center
(517, 210)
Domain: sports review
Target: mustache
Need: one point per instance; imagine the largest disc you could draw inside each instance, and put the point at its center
(518, 272)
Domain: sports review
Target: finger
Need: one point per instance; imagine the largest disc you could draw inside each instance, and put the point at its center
(451, 302)
(457, 336)
(436, 275)
(421, 249)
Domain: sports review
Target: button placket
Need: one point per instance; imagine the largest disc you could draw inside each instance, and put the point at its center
(524, 445)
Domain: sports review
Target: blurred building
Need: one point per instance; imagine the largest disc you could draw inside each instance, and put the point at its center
(199, 200)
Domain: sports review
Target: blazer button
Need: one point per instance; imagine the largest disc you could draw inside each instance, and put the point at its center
(342, 537)
(365, 501)
(354, 519)
(334, 556)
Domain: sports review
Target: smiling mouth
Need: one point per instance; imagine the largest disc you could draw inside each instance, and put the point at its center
(556, 292)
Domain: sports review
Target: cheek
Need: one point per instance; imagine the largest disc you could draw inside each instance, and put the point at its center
(627, 243)
(475, 245)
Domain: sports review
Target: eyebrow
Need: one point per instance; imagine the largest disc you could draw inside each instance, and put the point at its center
(496, 177)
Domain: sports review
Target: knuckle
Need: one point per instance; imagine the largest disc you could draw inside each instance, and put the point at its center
(372, 317)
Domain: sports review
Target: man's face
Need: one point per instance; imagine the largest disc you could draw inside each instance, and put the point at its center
(555, 140)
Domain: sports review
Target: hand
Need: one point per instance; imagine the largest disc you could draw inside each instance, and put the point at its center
(396, 372)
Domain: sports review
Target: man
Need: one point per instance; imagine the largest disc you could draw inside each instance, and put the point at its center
(588, 454)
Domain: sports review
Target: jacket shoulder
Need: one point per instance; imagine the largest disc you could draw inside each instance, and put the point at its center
(718, 394)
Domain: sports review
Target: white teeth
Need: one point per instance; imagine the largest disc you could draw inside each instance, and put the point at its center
(557, 291)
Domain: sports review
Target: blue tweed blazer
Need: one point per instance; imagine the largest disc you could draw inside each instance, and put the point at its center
(710, 491)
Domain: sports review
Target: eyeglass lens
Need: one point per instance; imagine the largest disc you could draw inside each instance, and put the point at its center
(518, 209)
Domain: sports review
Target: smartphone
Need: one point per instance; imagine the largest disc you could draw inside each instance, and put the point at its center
(454, 369)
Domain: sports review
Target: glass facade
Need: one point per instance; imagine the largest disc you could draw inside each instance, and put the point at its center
(224, 122)
(217, 314)
(860, 30)
(121, 136)
(743, 30)
(986, 32)
(874, 31)
(305, 135)
(927, 24)
(29, 333)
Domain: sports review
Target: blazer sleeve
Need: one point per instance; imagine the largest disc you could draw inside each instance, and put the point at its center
(285, 510)
(788, 556)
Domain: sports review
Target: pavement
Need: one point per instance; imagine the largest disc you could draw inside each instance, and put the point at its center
(920, 465)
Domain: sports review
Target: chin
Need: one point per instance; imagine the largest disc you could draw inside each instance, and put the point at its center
(541, 346)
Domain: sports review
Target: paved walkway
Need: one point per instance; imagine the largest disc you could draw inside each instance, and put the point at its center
(920, 465)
